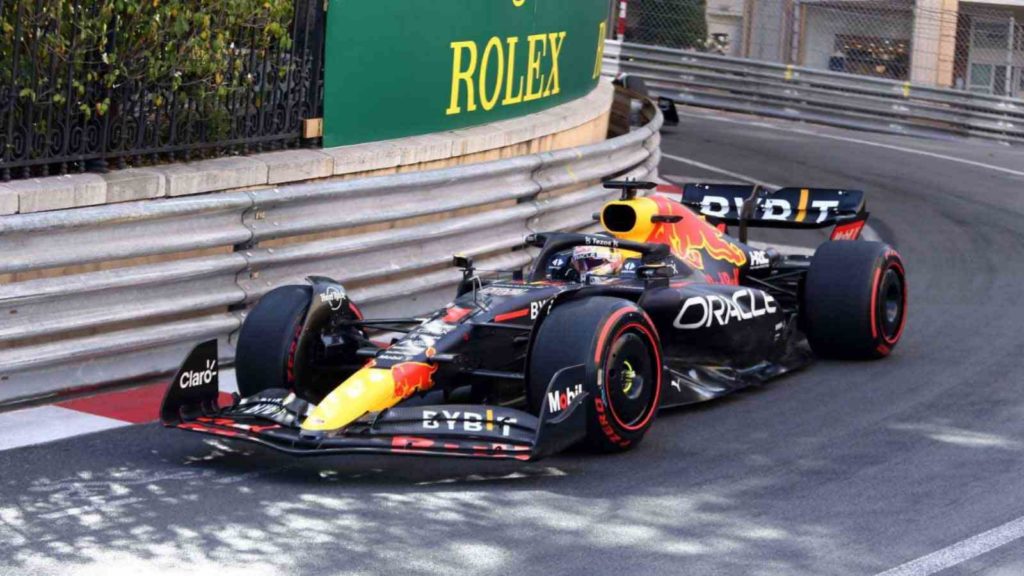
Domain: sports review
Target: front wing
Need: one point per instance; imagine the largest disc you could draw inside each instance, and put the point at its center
(475, 431)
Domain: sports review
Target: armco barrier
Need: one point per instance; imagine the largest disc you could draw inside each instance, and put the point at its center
(832, 98)
(125, 316)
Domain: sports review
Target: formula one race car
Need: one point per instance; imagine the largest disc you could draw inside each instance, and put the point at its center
(663, 309)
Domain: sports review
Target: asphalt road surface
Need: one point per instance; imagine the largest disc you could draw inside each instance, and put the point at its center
(912, 465)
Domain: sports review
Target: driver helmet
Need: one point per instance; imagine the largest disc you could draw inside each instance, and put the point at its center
(596, 260)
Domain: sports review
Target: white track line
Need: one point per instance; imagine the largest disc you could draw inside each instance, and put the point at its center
(859, 141)
(961, 551)
(718, 170)
(868, 232)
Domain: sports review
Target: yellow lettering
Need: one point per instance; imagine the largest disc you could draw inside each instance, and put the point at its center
(553, 87)
(510, 75)
(533, 65)
(460, 76)
(493, 45)
(602, 31)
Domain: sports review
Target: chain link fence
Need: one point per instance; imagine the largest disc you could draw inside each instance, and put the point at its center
(971, 46)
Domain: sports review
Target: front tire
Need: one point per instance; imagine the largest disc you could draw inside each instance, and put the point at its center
(855, 300)
(273, 352)
(265, 351)
(619, 347)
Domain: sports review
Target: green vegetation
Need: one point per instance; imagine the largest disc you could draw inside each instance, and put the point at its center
(82, 60)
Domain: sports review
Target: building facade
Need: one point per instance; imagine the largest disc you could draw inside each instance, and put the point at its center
(725, 25)
(965, 44)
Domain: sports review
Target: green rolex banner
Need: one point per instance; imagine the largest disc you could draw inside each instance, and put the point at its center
(398, 68)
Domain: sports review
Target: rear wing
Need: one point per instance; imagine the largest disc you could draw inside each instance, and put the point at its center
(755, 206)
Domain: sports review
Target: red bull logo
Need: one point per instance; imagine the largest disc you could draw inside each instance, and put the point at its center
(692, 238)
(411, 377)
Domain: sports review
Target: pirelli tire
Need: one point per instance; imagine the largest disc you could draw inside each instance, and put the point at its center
(618, 345)
(265, 351)
(855, 300)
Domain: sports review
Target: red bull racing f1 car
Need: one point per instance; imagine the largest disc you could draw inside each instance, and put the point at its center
(664, 308)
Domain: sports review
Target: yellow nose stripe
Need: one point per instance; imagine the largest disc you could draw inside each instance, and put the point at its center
(368, 390)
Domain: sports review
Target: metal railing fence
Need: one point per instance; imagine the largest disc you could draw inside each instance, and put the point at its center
(121, 292)
(87, 85)
(776, 90)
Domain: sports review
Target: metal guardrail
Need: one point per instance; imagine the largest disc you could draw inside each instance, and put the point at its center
(832, 98)
(140, 283)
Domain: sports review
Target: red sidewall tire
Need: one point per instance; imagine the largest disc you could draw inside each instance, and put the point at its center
(619, 347)
(889, 332)
(855, 300)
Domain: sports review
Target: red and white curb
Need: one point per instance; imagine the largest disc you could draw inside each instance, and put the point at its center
(90, 414)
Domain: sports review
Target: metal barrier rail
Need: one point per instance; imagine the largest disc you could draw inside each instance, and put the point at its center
(846, 100)
(115, 314)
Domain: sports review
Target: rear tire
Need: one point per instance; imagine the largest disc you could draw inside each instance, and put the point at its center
(618, 344)
(855, 300)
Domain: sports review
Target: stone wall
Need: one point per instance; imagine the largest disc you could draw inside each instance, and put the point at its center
(580, 122)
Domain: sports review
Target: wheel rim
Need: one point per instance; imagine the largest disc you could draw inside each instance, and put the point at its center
(631, 380)
(891, 304)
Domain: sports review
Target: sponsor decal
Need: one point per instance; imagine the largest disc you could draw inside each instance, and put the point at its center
(333, 298)
(412, 377)
(677, 385)
(537, 307)
(692, 239)
(849, 231)
(715, 310)
(606, 427)
(194, 378)
(538, 79)
(759, 259)
(772, 208)
(593, 253)
(466, 421)
(600, 241)
(559, 400)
